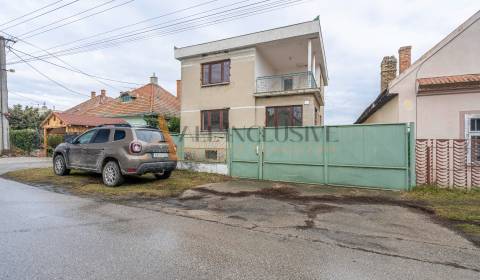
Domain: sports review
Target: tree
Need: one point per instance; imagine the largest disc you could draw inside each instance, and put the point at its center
(174, 125)
(25, 118)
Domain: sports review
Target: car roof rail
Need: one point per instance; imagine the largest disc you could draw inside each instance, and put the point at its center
(115, 125)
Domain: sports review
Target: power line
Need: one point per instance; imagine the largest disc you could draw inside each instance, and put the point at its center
(29, 13)
(42, 14)
(76, 20)
(134, 24)
(76, 70)
(47, 77)
(65, 18)
(254, 9)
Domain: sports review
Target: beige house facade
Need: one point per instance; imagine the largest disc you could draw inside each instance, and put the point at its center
(440, 92)
(269, 78)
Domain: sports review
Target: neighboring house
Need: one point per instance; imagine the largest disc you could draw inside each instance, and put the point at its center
(268, 78)
(95, 101)
(69, 124)
(148, 100)
(440, 92)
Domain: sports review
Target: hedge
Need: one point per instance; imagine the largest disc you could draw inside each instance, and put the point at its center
(25, 139)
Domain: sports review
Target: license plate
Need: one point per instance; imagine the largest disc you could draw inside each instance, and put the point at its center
(160, 155)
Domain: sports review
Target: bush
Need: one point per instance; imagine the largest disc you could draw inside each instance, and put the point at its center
(25, 139)
(54, 140)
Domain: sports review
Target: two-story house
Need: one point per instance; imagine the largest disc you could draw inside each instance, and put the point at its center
(268, 78)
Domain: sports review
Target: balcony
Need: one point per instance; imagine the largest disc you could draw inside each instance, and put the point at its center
(287, 84)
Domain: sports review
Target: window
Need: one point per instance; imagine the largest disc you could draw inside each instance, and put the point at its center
(149, 136)
(119, 135)
(86, 137)
(211, 154)
(472, 133)
(102, 136)
(287, 84)
(214, 120)
(284, 116)
(216, 72)
(126, 98)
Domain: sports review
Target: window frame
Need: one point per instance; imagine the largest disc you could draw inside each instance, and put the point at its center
(92, 141)
(76, 141)
(469, 134)
(275, 115)
(208, 112)
(124, 135)
(223, 80)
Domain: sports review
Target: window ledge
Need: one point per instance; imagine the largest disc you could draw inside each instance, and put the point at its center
(217, 84)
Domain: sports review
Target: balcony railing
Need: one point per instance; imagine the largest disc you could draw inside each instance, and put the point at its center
(286, 82)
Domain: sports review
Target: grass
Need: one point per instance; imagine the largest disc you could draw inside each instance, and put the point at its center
(460, 207)
(135, 187)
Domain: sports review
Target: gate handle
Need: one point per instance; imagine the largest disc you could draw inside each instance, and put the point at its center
(257, 149)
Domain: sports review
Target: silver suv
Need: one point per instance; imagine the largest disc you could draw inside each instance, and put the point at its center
(118, 150)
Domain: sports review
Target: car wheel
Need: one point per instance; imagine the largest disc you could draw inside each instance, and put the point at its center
(111, 174)
(164, 175)
(59, 166)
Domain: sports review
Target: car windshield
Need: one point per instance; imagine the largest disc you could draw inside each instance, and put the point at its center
(149, 136)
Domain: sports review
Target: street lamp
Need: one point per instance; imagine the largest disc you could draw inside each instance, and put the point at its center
(9, 70)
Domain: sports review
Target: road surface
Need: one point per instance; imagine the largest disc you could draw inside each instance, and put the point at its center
(46, 235)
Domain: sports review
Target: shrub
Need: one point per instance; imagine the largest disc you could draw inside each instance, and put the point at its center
(25, 139)
(54, 140)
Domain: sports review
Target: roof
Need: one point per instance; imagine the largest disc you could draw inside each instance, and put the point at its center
(381, 100)
(148, 99)
(90, 104)
(83, 120)
(468, 81)
(450, 37)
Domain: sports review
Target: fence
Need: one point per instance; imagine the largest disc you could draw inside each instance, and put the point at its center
(354, 155)
(448, 162)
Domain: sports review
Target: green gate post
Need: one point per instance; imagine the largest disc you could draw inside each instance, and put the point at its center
(325, 157)
(260, 145)
(412, 156)
(229, 151)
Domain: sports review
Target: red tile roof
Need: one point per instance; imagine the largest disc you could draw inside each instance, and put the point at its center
(90, 104)
(86, 120)
(150, 98)
(468, 81)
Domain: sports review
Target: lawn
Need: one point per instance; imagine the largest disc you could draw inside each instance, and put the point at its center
(460, 207)
(135, 187)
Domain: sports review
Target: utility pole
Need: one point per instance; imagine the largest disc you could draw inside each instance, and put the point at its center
(4, 126)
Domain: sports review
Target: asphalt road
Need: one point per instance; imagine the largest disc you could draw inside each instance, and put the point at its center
(46, 235)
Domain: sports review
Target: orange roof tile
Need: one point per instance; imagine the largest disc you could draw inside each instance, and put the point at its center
(90, 104)
(468, 81)
(150, 98)
(85, 120)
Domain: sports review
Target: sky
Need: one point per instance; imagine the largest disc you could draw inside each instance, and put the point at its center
(357, 35)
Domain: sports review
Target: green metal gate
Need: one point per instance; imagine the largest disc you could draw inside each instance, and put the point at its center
(380, 155)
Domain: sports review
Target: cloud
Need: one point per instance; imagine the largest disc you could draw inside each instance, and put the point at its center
(357, 34)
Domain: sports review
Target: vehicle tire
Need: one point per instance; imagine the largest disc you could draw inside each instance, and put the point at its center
(111, 174)
(164, 175)
(59, 166)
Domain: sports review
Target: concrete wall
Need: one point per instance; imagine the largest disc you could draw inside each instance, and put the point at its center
(445, 117)
(238, 95)
(387, 114)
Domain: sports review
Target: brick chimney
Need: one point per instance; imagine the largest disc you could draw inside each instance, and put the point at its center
(154, 79)
(93, 94)
(388, 71)
(405, 57)
(103, 93)
(179, 89)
